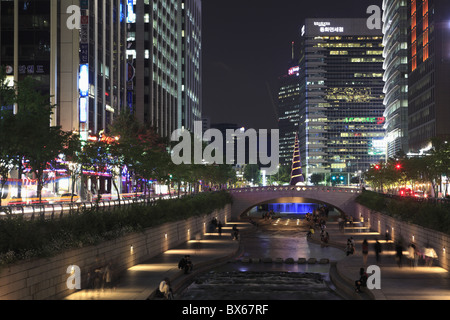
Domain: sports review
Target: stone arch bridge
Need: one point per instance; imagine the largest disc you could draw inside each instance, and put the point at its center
(342, 199)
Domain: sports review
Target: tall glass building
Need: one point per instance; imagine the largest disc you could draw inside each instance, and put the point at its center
(154, 56)
(164, 54)
(191, 64)
(429, 66)
(81, 66)
(341, 127)
(288, 112)
(395, 53)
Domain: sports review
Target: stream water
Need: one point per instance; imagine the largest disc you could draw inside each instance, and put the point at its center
(239, 280)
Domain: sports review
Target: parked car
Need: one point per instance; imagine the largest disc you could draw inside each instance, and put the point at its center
(67, 197)
(405, 192)
(420, 194)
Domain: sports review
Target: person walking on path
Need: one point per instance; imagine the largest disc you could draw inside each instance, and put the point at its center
(219, 227)
(399, 254)
(365, 251)
(377, 250)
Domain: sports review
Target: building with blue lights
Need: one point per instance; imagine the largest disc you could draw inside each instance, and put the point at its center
(341, 101)
(76, 50)
(164, 51)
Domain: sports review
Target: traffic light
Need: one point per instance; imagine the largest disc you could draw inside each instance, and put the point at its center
(398, 166)
(377, 167)
(333, 178)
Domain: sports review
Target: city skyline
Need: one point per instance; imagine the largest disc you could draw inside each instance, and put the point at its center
(241, 69)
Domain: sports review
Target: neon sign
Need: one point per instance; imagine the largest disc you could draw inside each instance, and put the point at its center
(293, 70)
(377, 120)
(83, 109)
(326, 27)
(131, 17)
(83, 82)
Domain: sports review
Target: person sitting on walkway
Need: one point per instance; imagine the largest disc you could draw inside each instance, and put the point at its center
(165, 289)
(235, 233)
(350, 248)
(362, 281)
(186, 264)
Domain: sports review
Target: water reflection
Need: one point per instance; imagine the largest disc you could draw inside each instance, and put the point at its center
(259, 279)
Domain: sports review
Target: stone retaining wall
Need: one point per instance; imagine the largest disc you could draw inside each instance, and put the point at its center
(42, 279)
(397, 229)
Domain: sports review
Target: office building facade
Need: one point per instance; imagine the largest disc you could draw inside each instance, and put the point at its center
(429, 69)
(154, 56)
(341, 103)
(395, 53)
(78, 57)
(164, 54)
(288, 112)
(191, 64)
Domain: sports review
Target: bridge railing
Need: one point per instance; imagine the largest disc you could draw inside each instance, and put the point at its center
(55, 210)
(296, 189)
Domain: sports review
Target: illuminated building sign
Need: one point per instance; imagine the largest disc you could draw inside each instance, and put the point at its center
(83, 109)
(377, 120)
(83, 82)
(294, 70)
(326, 27)
(131, 17)
(377, 147)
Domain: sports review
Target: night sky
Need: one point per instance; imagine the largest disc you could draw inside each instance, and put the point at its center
(247, 46)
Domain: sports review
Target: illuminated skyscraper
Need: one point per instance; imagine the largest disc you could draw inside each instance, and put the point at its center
(395, 40)
(164, 52)
(191, 64)
(153, 51)
(428, 80)
(288, 112)
(81, 66)
(341, 105)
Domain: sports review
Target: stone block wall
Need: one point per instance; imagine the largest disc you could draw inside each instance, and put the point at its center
(46, 279)
(397, 229)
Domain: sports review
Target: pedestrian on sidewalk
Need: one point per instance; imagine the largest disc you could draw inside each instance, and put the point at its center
(108, 276)
(399, 254)
(377, 250)
(365, 251)
(235, 233)
(341, 223)
(219, 227)
(412, 254)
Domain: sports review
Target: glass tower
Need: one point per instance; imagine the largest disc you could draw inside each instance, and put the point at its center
(395, 52)
(164, 54)
(341, 104)
(288, 112)
(429, 69)
(82, 66)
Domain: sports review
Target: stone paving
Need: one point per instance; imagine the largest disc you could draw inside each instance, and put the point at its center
(397, 283)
